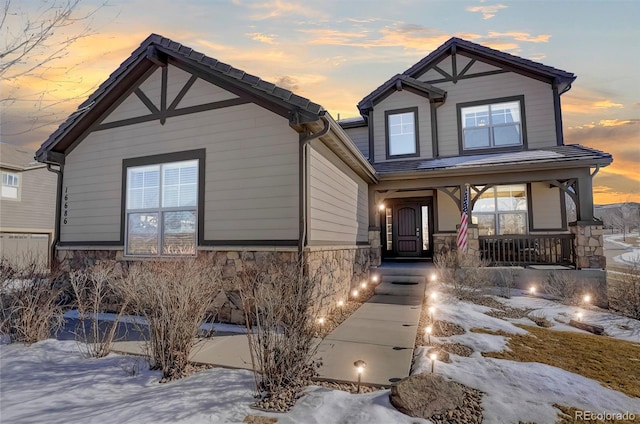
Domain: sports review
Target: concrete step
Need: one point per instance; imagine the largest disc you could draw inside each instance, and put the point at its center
(394, 289)
(403, 269)
(403, 278)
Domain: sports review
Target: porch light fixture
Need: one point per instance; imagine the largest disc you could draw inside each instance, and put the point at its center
(428, 331)
(587, 298)
(354, 293)
(381, 206)
(360, 366)
(532, 290)
(433, 358)
(363, 285)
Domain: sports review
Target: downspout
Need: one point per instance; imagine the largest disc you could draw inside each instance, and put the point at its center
(302, 180)
(56, 236)
(434, 127)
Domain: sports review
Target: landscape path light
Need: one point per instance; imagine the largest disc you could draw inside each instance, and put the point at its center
(360, 366)
(433, 358)
(434, 276)
(587, 298)
(363, 285)
(340, 303)
(321, 320)
(354, 293)
(431, 310)
(532, 290)
(579, 316)
(428, 331)
(375, 278)
(433, 296)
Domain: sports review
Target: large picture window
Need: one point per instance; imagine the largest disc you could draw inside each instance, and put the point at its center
(10, 185)
(402, 132)
(491, 125)
(161, 209)
(501, 210)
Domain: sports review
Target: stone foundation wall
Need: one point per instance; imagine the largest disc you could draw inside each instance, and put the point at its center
(337, 268)
(589, 244)
(375, 256)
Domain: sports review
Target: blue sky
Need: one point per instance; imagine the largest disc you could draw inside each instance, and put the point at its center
(336, 52)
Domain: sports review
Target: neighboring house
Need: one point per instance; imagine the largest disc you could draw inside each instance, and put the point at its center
(27, 207)
(177, 153)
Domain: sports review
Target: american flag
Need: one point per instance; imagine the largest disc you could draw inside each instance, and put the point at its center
(464, 223)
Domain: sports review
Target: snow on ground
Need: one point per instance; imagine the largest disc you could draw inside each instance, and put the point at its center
(51, 382)
(517, 391)
(632, 255)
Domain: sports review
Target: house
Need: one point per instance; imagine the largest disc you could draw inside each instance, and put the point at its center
(27, 207)
(178, 153)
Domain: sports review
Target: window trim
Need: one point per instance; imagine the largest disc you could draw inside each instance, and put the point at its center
(199, 155)
(18, 187)
(496, 212)
(387, 139)
(523, 126)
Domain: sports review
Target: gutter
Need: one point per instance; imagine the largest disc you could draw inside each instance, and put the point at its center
(56, 236)
(302, 180)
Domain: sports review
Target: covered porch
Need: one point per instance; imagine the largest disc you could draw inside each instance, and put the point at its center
(519, 214)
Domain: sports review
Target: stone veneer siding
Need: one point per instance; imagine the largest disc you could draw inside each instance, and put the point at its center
(589, 244)
(339, 268)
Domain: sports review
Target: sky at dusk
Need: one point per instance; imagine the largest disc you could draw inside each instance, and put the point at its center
(337, 52)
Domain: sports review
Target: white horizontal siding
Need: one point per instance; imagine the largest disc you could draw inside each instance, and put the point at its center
(538, 102)
(400, 100)
(338, 200)
(251, 181)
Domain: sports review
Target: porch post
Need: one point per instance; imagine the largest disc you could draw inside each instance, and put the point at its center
(375, 254)
(589, 244)
(585, 196)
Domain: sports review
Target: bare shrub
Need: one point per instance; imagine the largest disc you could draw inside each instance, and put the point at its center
(31, 303)
(466, 275)
(92, 289)
(175, 297)
(562, 286)
(624, 291)
(283, 301)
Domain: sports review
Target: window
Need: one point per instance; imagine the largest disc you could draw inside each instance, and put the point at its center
(10, 185)
(492, 125)
(501, 210)
(401, 126)
(161, 209)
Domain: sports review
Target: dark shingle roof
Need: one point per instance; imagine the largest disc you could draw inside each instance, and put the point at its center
(483, 51)
(368, 102)
(556, 154)
(302, 107)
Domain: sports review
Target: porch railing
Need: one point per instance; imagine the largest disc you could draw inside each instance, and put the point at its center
(556, 249)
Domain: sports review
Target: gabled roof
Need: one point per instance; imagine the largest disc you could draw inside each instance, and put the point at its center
(489, 55)
(397, 82)
(157, 50)
(567, 156)
(17, 158)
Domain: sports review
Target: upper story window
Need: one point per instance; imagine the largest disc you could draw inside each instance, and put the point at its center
(161, 209)
(492, 124)
(10, 185)
(402, 132)
(501, 210)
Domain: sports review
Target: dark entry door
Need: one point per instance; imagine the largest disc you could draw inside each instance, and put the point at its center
(408, 224)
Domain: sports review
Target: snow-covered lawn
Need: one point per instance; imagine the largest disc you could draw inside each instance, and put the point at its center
(632, 255)
(51, 381)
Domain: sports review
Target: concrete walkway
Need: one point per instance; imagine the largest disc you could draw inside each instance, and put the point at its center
(381, 332)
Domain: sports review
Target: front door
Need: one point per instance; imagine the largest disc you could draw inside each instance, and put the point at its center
(408, 239)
